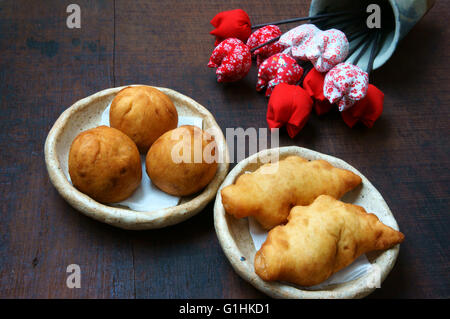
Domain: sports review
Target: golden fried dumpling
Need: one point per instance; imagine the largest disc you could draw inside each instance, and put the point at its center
(144, 114)
(104, 163)
(319, 240)
(182, 161)
(272, 190)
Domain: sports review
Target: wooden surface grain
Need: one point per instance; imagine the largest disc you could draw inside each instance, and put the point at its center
(45, 67)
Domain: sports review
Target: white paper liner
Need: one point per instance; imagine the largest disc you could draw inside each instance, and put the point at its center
(147, 197)
(358, 268)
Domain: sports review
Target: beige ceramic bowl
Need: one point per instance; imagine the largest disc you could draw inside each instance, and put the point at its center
(236, 242)
(86, 114)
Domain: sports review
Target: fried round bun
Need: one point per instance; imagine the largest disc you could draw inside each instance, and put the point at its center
(182, 161)
(105, 164)
(144, 114)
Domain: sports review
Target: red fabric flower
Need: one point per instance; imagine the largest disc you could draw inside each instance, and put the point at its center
(231, 24)
(367, 110)
(326, 49)
(345, 84)
(289, 105)
(233, 60)
(298, 39)
(313, 84)
(261, 36)
(279, 68)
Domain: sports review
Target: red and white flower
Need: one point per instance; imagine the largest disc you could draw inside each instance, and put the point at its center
(345, 84)
(279, 68)
(233, 60)
(261, 36)
(327, 49)
(296, 40)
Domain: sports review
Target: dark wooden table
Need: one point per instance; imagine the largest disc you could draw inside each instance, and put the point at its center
(45, 67)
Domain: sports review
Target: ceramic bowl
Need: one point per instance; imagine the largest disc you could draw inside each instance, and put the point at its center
(237, 244)
(86, 114)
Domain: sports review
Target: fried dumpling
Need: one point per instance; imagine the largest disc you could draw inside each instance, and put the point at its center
(273, 189)
(319, 240)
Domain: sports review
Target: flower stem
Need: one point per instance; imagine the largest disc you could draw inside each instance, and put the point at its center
(325, 15)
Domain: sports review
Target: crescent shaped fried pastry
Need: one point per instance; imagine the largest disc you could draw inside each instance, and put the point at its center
(319, 240)
(272, 190)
